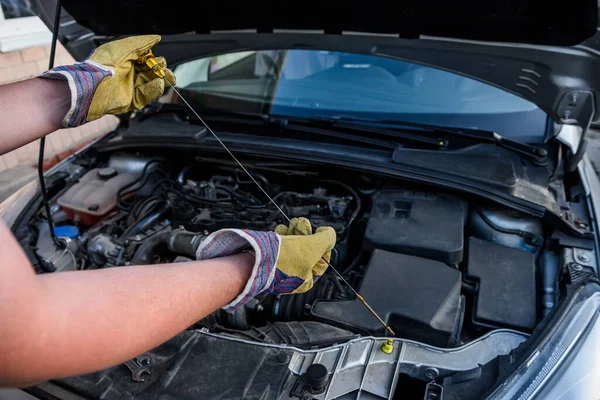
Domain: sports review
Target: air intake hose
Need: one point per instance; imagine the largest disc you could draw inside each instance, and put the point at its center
(179, 241)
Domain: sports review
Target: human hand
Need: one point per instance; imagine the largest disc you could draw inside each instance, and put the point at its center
(286, 261)
(110, 81)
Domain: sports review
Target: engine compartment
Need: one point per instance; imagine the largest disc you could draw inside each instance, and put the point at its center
(462, 281)
(417, 255)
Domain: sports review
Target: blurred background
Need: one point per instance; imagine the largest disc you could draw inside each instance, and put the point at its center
(24, 53)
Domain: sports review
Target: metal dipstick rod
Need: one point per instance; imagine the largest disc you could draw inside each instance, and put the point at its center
(148, 60)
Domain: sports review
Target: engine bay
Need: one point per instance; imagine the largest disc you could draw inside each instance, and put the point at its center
(431, 265)
(443, 271)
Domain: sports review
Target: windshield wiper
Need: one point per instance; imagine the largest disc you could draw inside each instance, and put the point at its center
(388, 132)
(537, 155)
(379, 137)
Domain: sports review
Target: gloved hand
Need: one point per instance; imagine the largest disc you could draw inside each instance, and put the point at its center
(109, 81)
(286, 262)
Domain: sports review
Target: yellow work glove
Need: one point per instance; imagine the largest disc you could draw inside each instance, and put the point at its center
(301, 255)
(111, 80)
(286, 261)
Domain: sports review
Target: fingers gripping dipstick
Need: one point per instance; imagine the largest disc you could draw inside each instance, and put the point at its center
(148, 60)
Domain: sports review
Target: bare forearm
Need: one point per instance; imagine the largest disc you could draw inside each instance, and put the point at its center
(89, 320)
(31, 109)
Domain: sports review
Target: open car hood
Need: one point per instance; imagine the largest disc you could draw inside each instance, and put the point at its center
(546, 53)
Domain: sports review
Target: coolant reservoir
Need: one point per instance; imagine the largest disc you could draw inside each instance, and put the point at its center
(95, 195)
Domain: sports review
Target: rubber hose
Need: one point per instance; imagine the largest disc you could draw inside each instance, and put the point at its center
(156, 244)
(180, 242)
(148, 221)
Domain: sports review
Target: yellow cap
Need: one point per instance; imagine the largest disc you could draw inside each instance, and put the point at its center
(388, 346)
(148, 60)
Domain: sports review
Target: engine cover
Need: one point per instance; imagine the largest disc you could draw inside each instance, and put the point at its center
(419, 298)
(417, 223)
(506, 282)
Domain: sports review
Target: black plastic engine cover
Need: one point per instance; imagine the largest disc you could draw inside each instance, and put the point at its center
(417, 223)
(507, 289)
(419, 298)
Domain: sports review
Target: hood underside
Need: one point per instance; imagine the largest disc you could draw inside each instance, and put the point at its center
(518, 21)
(544, 52)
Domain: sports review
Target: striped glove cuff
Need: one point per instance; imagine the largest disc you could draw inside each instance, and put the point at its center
(266, 249)
(83, 79)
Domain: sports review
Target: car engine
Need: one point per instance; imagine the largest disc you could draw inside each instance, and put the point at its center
(443, 271)
(405, 249)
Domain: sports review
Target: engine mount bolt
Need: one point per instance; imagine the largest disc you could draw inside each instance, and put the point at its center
(388, 346)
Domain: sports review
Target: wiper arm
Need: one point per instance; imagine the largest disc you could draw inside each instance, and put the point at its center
(538, 155)
(360, 125)
(381, 137)
(322, 125)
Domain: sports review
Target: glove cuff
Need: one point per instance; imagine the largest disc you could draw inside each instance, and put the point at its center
(231, 241)
(83, 79)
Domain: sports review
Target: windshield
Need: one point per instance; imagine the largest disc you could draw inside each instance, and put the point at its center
(310, 83)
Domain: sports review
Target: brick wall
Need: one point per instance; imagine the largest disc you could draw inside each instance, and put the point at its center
(27, 63)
